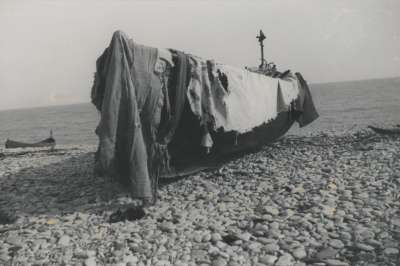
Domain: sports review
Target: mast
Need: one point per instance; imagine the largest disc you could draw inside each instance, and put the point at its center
(261, 37)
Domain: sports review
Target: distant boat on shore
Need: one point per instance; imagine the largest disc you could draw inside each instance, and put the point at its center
(386, 131)
(49, 142)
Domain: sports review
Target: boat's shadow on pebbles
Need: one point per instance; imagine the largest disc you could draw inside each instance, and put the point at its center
(58, 182)
(68, 185)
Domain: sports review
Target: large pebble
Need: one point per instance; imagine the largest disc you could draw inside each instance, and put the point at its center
(90, 262)
(266, 241)
(267, 259)
(233, 263)
(131, 259)
(271, 210)
(326, 253)
(391, 251)
(197, 237)
(261, 227)
(333, 262)
(213, 251)
(255, 247)
(271, 248)
(299, 253)
(215, 237)
(396, 222)
(64, 240)
(14, 240)
(219, 262)
(364, 247)
(345, 235)
(285, 260)
(4, 258)
(80, 254)
(206, 237)
(244, 236)
(336, 243)
(199, 254)
(326, 170)
(167, 227)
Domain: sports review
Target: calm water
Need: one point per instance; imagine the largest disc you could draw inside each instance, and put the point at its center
(342, 106)
(355, 105)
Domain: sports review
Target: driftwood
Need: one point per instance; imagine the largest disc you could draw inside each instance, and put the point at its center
(386, 131)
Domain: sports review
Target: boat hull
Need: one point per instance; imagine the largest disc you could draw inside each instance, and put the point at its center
(186, 159)
(49, 142)
(386, 131)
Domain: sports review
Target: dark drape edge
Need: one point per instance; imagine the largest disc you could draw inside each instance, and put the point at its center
(308, 112)
(167, 130)
(159, 153)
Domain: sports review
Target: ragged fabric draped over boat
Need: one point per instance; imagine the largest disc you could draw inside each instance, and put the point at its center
(247, 100)
(130, 95)
(158, 105)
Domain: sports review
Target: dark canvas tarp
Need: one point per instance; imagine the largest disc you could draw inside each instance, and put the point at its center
(147, 127)
(122, 148)
(128, 94)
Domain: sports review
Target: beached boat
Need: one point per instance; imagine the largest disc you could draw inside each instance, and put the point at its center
(49, 142)
(165, 113)
(386, 131)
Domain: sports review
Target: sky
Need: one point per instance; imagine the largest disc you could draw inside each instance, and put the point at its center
(48, 48)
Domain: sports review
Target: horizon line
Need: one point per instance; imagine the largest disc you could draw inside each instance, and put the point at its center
(86, 102)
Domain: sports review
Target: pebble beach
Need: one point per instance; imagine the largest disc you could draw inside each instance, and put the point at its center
(324, 199)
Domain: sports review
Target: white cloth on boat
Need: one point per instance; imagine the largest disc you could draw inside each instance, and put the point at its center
(246, 101)
(251, 100)
(290, 89)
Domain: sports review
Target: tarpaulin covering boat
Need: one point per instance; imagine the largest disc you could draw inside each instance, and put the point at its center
(165, 112)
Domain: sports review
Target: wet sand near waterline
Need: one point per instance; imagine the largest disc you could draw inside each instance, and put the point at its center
(311, 200)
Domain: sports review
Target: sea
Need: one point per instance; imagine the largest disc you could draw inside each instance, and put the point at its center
(342, 106)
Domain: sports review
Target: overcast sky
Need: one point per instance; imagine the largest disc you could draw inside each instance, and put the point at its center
(48, 48)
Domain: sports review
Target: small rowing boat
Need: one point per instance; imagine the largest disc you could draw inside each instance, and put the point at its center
(387, 131)
(49, 142)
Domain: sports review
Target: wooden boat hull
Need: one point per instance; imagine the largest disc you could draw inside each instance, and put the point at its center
(49, 142)
(187, 159)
